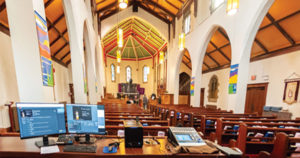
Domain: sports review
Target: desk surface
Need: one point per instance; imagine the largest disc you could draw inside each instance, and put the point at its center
(15, 147)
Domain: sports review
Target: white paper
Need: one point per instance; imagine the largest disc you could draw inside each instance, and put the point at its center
(49, 149)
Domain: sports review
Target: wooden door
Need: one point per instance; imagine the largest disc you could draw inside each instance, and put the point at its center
(202, 97)
(256, 98)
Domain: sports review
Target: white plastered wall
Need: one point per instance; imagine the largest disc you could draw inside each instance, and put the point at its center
(241, 32)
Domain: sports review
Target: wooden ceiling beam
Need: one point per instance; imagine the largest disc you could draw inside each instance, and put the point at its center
(214, 60)
(206, 65)
(2, 6)
(261, 45)
(161, 8)
(48, 3)
(60, 49)
(216, 68)
(228, 44)
(65, 56)
(185, 5)
(108, 7)
(154, 13)
(4, 29)
(220, 51)
(68, 62)
(56, 21)
(57, 31)
(224, 34)
(100, 2)
(58, 37)
(134, 49)
(278, 21)
(58, 61)
(171, 4)
(281, 30)
(187, 65)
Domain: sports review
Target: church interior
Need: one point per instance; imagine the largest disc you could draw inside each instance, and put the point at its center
(153, 78)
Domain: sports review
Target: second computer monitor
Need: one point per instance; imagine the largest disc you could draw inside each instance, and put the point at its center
(86, 119)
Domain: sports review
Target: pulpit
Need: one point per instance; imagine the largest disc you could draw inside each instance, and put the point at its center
(167, 98)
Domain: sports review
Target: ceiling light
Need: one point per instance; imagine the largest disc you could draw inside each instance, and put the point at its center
(123, 4)
(232, 7)
(181, 41)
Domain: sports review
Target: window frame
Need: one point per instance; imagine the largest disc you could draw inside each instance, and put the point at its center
(185, 16)
(212, 10)
(144, 74)
(127, 72)
(111, 72)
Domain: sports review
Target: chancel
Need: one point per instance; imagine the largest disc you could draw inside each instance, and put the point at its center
(150, 78)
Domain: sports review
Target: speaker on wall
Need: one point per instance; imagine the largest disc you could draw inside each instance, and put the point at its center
(135, 7)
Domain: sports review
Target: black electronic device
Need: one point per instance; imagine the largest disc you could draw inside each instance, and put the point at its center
(86, 119)
(80, 148)
(65, 140)
(133, 134)
(33, 116)
(185, 136)
(135, 7)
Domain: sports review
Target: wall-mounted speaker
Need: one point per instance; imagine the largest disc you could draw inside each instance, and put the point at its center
(135, 7)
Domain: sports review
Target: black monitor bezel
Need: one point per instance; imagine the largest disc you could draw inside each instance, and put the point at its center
(86, 132)
(37, 135)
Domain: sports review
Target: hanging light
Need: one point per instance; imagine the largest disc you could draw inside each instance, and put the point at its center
(232, 6)
(118, 56)
(181, 41)
(120, 37)
(118, 69)
(161, 57)
(123, 4)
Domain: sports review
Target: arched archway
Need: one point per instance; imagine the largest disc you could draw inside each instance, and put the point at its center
(277, 36)
(142, 45)
(217, 57)
(185, 73)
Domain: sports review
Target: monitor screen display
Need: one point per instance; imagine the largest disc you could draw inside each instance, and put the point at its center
(183, 137)
(39, 119)
(86, 119)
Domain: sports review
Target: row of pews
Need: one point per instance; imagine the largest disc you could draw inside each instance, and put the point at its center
(255, 136)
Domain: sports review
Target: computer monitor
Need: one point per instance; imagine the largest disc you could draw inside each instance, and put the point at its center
(86, 119)
(41, 119)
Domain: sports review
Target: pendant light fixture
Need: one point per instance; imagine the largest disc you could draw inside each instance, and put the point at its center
(120, 37)
(182, 41)
(118, 56)
(232, 7)
(161, 57)
(123, 4)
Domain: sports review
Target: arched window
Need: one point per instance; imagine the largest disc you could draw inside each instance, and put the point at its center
(215, 4)
(146, 71)
(213, 89)
(128, 73)
(113, 76)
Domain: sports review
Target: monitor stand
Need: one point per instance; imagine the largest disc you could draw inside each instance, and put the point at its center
(87, 140)
(45, 142)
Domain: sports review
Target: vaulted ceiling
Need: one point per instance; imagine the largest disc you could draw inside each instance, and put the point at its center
(278, 33)
(57, 29)
(165, 10)
(141, 40)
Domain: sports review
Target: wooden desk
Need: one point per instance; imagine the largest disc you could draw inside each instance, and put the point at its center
(15, 147)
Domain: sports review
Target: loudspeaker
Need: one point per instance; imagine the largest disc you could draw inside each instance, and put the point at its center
(133, 134)
(135, 7)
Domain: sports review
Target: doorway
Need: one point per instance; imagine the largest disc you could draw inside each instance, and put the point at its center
(202, 97)
(256, 98)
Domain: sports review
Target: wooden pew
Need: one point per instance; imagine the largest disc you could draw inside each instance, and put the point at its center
(148, 122)
(283, 147)
(148, 130)
(252, 148)
(130, 118)
(224, 135)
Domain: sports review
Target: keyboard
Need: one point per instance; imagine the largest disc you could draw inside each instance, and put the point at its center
(65, 140)
(80, 148)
